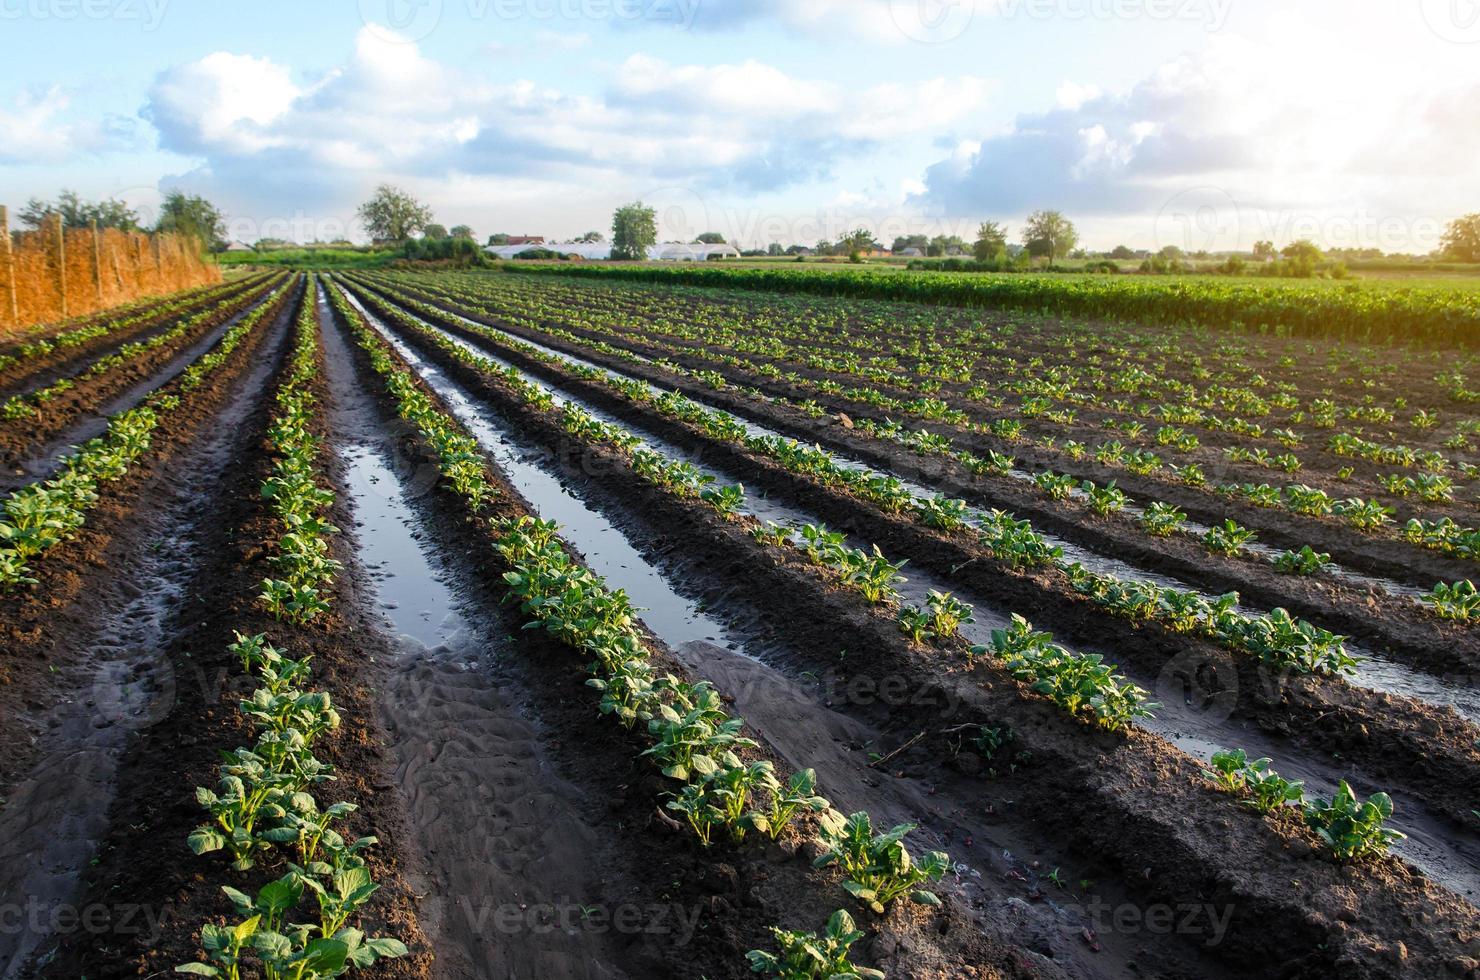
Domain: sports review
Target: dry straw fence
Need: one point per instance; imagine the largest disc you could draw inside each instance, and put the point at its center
(53, 273)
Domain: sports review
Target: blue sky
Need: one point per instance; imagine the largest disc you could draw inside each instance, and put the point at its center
(1201, 123)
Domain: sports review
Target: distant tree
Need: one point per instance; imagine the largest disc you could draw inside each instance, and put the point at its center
(268, 244)
(860, 240)
(634, 231)
(193, 216)
(991, 242)
(592, 237)
(922, 242)
(498, 238)
(461, 231)
(77, 213)
(435, 232)
(1122, 252)
(1461, 240)
(393, 215)
(1049, 233)
(775, 249)
(823, 247)
(710, 238)
(945, 244)
(1304, 250)
(1263, 251)
(1170, 252)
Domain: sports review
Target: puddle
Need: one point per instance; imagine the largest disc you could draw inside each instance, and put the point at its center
(502, 836)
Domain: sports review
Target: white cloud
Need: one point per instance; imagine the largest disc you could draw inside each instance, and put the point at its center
(34, 129)
(1274, 132)
(391, 112)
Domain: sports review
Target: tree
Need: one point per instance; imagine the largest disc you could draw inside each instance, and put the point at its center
(393, 215)
(1304, 250)
(435, 231)
(1263, 251)
(1122, 252)
(710, 238)
(1049, 233)
(922, 242)
(1461, 239)
(193, 216)
(945, 244)
(498, 238)
(860, 240)
(775, 249)
(461, 231)
(991, 242)
(1170, 252)
(634, 231)
(592, 237)
(77, 213)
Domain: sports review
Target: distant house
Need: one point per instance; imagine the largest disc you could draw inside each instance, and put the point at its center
(912, 252)
(526, 240)
(239, 247)
(595, 251)
(874, 253)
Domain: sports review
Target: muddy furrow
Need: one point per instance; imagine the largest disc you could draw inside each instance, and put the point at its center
(1201, 717)
(1381, 611)
(739, 891)
(1428, 749)
(195, 718)
(122, 589)
(1363, 554)
(830, 633)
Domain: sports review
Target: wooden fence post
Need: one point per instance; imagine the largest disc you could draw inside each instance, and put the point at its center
(61, 258)
(97, 264)
(8, 255)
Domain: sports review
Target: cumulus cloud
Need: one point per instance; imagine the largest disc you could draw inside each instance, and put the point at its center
(1273, 131)
(390, 110)
(36, 129)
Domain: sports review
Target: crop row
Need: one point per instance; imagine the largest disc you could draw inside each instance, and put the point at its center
(264, 804)
(1362, 515)
(41, 515)
(1081, 684)
(27, 404)
(121, 320)
(1436, 317)
(723, 785)
(1275, 637)
(1080, 367)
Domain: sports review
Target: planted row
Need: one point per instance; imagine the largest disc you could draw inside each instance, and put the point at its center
(41, 515)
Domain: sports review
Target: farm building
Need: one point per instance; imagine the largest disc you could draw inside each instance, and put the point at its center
(669, 252)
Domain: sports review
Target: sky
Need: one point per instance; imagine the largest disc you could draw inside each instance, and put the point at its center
(1195, 123)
